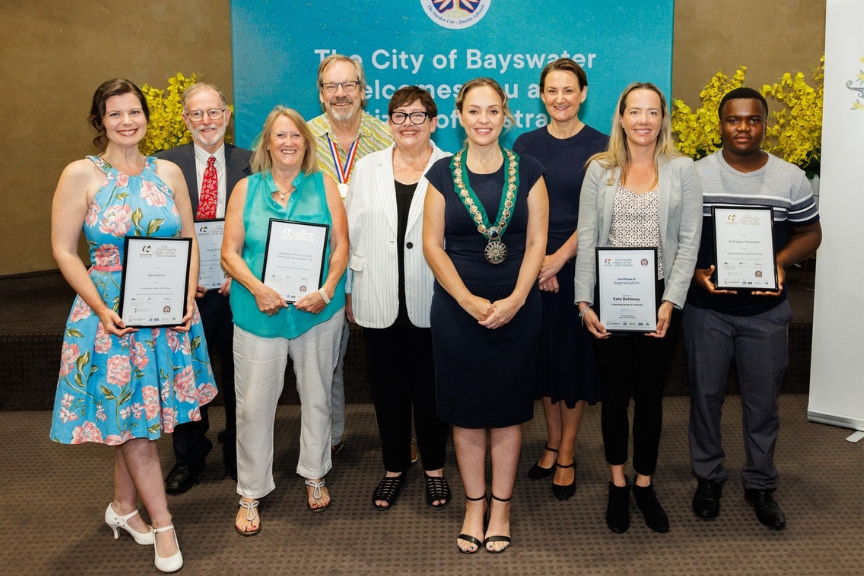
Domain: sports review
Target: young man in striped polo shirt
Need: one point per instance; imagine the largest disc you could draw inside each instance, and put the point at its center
(749, 325)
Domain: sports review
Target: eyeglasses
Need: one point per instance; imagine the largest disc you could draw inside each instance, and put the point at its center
(213, 113)
(331, 87)
(416, 117)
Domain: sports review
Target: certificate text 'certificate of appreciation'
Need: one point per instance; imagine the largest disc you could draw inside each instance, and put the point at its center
(210, 234)
(294, 258)
(744, 248)
(627, 286)
(155, 281)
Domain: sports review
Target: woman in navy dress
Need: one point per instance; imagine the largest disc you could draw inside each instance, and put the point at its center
(484, 236)
(566, 371)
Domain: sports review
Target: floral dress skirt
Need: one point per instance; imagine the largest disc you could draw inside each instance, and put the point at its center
(112, 389)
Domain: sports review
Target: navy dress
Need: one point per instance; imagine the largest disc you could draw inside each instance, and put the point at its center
(484, 378)
(566, 368)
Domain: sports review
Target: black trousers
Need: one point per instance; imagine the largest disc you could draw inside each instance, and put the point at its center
(634, 366)
(401, 372)
(191, 444)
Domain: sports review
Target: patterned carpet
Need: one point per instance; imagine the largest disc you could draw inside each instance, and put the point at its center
(53, 498)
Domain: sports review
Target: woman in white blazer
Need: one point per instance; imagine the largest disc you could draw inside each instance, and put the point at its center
(640, 193)
(390, 293)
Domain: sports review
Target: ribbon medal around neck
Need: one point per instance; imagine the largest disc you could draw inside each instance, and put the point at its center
(495, 251)
(343, 172)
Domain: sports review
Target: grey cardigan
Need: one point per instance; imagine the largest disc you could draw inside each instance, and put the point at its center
(680, 225)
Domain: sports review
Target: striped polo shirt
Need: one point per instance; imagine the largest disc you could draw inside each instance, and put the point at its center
(779, 185)
(374, 135)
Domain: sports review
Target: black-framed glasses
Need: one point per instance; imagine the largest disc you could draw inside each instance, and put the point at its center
(416, 117)
(213, 113)
(332, 87)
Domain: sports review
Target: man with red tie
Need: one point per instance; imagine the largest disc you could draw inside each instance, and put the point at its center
(211, 168)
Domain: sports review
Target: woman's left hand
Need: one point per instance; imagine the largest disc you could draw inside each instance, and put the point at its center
(550, 285)
(664, 316)
(502, 312)
(312, 303)
(552, 264)
(187, 319)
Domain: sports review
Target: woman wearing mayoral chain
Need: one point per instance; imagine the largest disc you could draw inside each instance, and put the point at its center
(486, 310)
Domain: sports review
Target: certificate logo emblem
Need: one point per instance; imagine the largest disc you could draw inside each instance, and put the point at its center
(456, 14)
(644, 262)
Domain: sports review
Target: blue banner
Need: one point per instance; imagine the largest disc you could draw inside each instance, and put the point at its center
(441, 44)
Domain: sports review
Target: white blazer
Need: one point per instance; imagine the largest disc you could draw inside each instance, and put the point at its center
(373, 268)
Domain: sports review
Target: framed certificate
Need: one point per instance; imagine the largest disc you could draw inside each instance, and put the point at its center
(155, 281)
(627, 288)
(210, 234)
(294, 257)
(744, 248)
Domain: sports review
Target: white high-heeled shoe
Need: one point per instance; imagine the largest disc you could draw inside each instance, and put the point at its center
(116, 521)
(171, 563)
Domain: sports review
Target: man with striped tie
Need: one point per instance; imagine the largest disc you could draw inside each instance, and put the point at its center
(344, 133)
(211, 169)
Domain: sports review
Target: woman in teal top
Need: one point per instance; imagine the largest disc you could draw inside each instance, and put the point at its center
(286, 185)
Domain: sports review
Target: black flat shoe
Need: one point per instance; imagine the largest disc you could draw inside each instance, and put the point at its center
(706, 501)
(537, 472)
(768, 511)
(565, 492)
(183, 477)
(653, 513)
(471, 539)
(618, 508)
(388, 491)
(437, 489)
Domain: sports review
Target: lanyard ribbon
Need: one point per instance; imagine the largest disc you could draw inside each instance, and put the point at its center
(343, 172)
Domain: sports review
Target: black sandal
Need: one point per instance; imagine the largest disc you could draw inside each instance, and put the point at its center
(538, 472)
(491, 539)
(437, 489)
(387, 491)
(471, 539)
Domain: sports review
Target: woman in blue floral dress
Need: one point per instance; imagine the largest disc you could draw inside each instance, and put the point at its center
(118, 385)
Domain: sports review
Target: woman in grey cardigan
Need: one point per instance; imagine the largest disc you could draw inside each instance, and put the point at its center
(640, 193)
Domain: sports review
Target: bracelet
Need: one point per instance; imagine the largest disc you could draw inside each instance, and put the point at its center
(582, 314)
(324, 296)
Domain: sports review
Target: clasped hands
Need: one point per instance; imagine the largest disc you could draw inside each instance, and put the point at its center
(491, 315)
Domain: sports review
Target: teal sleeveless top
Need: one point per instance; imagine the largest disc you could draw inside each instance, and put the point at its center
(308, 203)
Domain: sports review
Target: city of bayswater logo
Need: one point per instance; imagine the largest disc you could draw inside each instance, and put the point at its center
(456, 14)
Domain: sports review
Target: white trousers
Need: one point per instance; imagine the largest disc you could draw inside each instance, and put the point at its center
(259, 365)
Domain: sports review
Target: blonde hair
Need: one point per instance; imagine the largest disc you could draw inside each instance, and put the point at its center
(617, 154)
(261, 161)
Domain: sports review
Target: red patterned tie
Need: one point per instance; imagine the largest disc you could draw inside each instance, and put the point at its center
(209, 192)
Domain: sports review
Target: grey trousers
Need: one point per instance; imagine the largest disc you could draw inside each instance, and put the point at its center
(337, 429)
(760, 346)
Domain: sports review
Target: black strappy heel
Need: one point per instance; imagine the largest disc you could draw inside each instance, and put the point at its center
(468, 537)
(491, 539)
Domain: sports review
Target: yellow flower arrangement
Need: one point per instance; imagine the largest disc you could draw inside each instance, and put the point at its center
(166, 128)
(698, 131)
(796, 134)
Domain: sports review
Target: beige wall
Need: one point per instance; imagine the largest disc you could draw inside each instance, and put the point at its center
(55, 54)
(769, 37)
